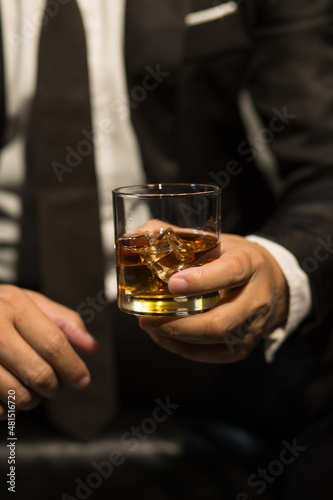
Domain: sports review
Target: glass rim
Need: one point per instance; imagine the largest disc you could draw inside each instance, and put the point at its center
(184, 190)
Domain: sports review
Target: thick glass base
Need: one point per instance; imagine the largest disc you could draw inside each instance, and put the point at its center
(167, 306)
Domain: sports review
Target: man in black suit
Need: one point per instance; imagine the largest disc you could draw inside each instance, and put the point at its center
(187, 64)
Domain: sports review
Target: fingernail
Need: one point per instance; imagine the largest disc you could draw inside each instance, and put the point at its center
(82, 382)
(177, 285)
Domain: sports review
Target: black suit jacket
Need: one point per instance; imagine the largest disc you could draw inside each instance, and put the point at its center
(190, 129)
(184, 84)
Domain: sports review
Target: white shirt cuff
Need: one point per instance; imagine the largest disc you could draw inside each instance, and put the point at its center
(300, 300)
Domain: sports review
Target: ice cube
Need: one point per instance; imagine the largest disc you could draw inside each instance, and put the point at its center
(168, 254)
(135, 242)
(133, 270)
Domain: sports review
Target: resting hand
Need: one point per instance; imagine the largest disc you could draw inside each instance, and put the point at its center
(254, 302)
(36, 356)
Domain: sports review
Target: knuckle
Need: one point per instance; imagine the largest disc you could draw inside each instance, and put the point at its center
(239, 267)
(44, 378)
(258, 322)
(54, 346)
(260, 315)
(260, 260)
(9, 294)
(199, 276)
(265, 303)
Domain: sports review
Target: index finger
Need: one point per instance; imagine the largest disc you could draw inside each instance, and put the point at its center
(212, 327)
(51, 344)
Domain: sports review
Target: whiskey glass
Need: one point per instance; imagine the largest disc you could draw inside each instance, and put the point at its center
(161, 229)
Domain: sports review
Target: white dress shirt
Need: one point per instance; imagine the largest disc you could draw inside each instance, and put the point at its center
(116, 150)
(117, 155)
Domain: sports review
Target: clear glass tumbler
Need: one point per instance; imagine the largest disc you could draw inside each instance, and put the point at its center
(161, 229)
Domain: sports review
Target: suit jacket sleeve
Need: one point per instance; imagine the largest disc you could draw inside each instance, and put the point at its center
(291, 70)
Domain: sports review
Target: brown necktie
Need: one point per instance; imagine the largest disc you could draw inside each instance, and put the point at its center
(60, 151)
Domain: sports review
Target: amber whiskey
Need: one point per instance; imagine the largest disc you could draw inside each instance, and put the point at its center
(146, 261)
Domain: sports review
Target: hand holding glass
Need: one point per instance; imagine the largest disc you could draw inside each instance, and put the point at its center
(161, 229)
